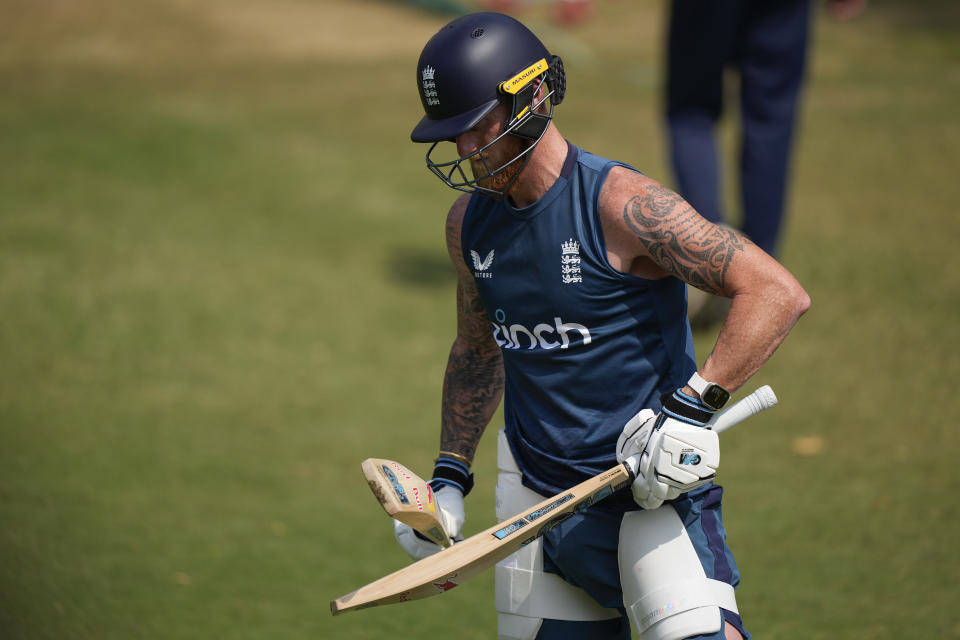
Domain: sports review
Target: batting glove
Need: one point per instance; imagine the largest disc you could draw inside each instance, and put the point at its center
(676, 453)
(451, 481)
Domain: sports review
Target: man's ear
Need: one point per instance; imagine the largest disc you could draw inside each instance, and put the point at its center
(539, 97)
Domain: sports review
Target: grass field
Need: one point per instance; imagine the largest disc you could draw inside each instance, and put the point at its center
(223, 284)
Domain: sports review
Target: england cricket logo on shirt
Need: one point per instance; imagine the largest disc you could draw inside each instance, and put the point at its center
(429, 86)
(570, 262)
(481, 268)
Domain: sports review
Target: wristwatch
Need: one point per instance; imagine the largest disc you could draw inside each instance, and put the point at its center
(711, 394)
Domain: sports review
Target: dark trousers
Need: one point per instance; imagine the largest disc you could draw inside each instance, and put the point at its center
(765, 41)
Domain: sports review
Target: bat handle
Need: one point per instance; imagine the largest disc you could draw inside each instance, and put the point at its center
(760, 400)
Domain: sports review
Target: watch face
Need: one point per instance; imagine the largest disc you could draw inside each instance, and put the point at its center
(715, 396)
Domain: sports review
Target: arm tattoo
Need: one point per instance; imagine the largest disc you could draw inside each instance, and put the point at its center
(471, 315)
(472, 389)
(680, 241)
(473, 384)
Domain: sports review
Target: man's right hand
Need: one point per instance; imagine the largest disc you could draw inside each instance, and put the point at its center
(450, 503)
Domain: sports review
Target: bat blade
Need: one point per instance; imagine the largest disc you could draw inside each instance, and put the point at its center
(450, 567)
(406, 497)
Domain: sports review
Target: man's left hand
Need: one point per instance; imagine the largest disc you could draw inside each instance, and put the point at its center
(450, 504)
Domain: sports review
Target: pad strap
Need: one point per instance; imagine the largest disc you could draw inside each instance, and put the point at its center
(683, 596)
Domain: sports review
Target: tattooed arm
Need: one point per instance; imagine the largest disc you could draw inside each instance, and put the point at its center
(651, 232)
(473, 382)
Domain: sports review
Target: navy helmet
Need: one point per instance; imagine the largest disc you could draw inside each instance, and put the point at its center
(469, 67)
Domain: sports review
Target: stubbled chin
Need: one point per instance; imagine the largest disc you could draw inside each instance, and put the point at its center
(499, 180)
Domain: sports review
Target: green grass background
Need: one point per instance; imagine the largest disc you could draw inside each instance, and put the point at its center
(223, 284)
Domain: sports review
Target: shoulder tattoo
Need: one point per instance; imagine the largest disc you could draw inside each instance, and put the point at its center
(681, 241)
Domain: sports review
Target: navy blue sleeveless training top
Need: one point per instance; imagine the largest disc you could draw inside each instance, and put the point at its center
(584, 346)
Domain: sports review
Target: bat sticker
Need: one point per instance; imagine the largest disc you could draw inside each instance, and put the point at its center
(510, 528)
(542, 511)
(396, 484)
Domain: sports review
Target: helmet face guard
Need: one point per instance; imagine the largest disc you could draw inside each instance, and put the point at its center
(525, 122)
(471, 66)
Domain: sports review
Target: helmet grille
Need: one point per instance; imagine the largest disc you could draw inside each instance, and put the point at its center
(476, 33)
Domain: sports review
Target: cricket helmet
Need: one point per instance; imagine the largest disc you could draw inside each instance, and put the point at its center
(470, 66)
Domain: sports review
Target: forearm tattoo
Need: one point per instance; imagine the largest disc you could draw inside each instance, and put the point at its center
(473, 384)
(680, 241)
(472, 390)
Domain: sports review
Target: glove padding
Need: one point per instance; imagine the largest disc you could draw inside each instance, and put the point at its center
(450, 504)
(670, 453)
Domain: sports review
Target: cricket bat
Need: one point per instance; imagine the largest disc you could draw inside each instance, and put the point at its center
(406, 497)
(450, 567)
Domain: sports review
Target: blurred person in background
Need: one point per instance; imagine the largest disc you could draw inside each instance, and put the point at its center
(765, 43)
(571, 307)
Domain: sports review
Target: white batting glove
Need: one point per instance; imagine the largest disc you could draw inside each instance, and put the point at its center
(676, 455)
(451, 481)
(450, 504)
(635, 435)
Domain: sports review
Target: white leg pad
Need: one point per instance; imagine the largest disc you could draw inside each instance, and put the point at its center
(523, 588)
(524, 593)
(665, 590)
(513, 627)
